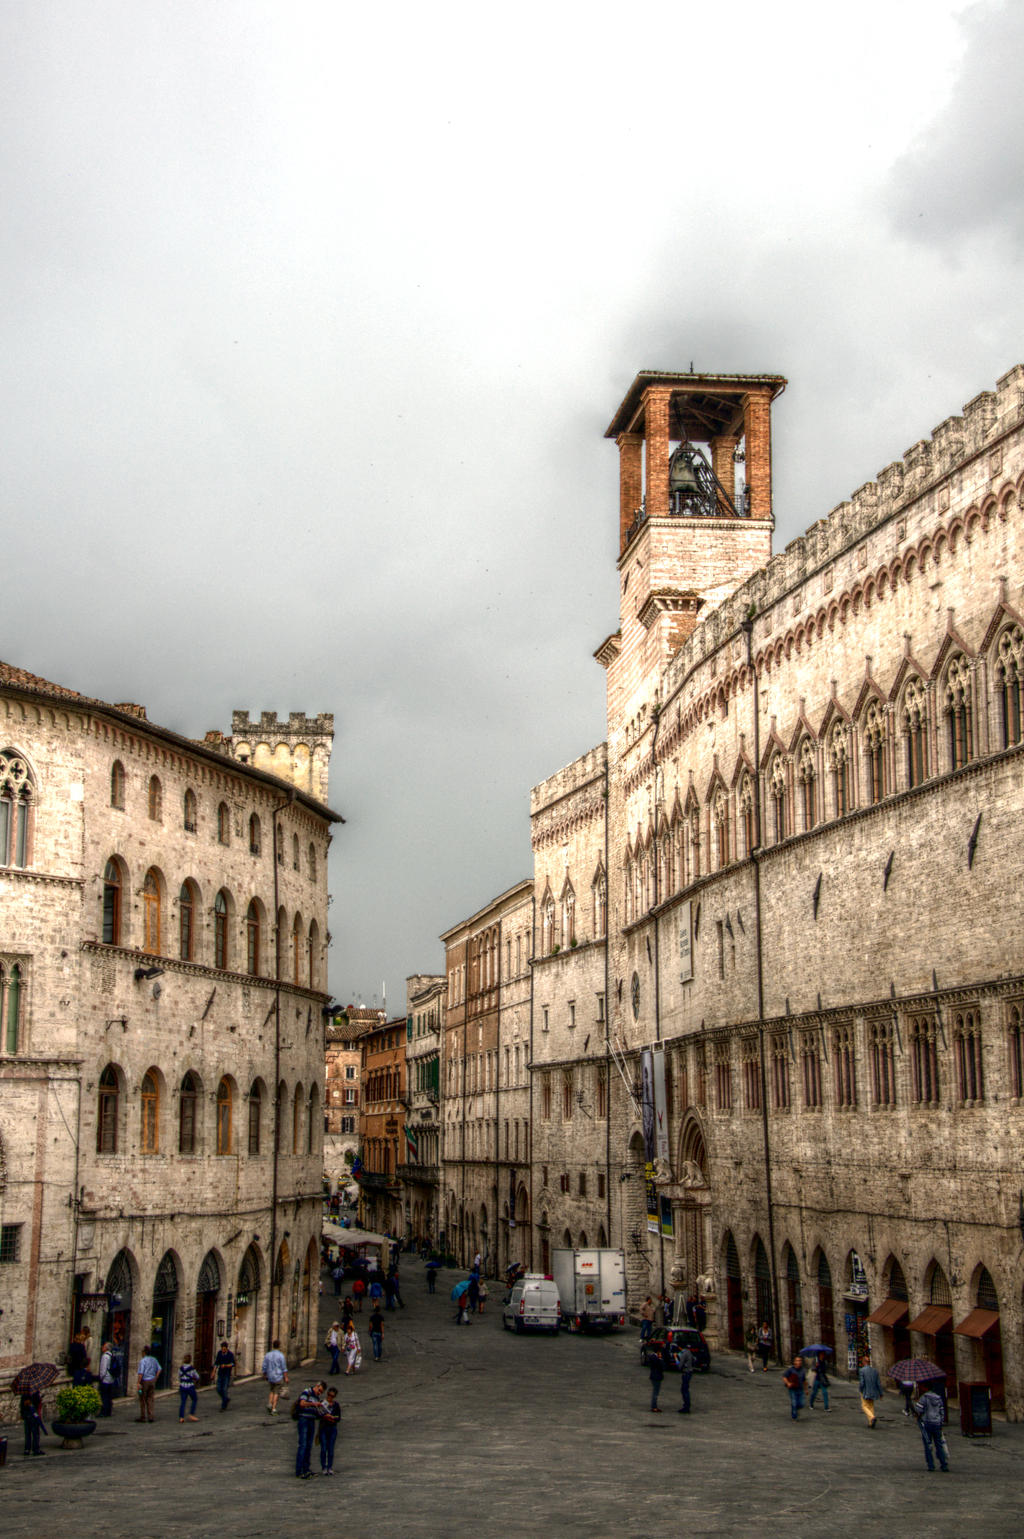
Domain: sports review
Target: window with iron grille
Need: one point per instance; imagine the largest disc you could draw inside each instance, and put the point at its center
(10, 1244)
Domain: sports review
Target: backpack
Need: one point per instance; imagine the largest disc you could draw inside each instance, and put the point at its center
(790, 1379)
(295, 1410)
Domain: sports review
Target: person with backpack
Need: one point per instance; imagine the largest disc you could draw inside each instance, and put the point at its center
(31, 1412)
(794, 1378)
(188, 1385)
(930, 1410)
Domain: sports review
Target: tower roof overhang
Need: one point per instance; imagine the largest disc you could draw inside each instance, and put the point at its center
(704, 406)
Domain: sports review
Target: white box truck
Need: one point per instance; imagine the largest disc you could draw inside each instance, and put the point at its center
(591, 1288)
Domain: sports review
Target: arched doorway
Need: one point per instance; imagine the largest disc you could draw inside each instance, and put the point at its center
(246, 1298)
(892, 1315)
(935, 1326)
(762, 1284)
(984, 1334)
(117, 1328)
(280, 1292)
(733, 1294)
(207, 1293)
(165, 1298)
(826, 1307)
(794, 1302)
(692, 1212)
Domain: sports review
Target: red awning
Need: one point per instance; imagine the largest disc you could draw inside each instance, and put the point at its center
(937, 1317)
(890, 1312)
(978, 1323)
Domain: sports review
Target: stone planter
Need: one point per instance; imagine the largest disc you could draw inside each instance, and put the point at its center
(73, 1432)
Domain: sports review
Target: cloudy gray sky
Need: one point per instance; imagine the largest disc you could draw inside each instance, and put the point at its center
(314, 316)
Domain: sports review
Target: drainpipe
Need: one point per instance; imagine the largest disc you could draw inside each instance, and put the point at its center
(607, 1034)
(288, 802)
(755, 857)
(657, 966)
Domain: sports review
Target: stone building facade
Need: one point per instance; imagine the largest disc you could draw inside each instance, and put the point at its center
(343, 1090)
(163, 982)
(813, 993)
(425, 1000)
(382, 1127)
(487, 1009)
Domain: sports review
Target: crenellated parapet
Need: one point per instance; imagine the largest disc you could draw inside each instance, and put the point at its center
(297, 750)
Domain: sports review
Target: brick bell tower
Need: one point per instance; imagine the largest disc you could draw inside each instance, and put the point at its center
(695, 512)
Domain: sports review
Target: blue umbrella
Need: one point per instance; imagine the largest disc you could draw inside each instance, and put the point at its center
(816, 1346)
(459, 1290)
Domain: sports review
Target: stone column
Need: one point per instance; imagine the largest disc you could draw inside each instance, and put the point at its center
(631, 481)
(656, 405)
(757, 430)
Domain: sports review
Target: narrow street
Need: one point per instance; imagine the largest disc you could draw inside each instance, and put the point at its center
(476, 1430)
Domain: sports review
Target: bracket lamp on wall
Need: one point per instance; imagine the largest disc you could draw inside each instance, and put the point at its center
(144, 973)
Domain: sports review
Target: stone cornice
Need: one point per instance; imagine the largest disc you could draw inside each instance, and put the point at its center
(199, 970)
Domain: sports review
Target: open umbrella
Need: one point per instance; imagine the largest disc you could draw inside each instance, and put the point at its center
(459, 1290)
(916, 1370)
(36, 1376)
(817, 1347)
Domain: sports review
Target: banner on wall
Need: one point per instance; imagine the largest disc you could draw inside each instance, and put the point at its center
(685, 921)
(652, 1198)
(647, 1103)
(668, 1228)
(660, 1106)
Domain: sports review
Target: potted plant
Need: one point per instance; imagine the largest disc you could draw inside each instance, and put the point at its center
(77, 1405)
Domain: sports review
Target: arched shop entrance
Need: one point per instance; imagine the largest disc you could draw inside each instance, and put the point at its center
(161, 1332)
(117, 1327)
(246, 1300)
(207, 1294)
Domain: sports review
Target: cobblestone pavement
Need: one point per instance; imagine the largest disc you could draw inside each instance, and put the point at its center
(475, 1431)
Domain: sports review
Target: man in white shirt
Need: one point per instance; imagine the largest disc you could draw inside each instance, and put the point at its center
(275, 1371)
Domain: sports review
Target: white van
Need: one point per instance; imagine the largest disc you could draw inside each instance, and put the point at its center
(533, 1305)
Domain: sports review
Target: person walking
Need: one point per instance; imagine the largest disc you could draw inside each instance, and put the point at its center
(275, 1371)
(31, 1413)
(765, 1342)
(472, 1293)
(149, 1372)
(389, 1291)
(432, 1266)
(750, 1345)
(481, 1297)
(821, 1381)
(870, 1386)
(377, 1334)
(907, 1387)
(308, 1413)
(656, 1364)
(646, 1320)
(687, 1363)
(333, 1345)
(106, 1380)
(338, 1275)
(358, 1293)
(330, 1421)
(930, 1411)
(188, 1387)
(397, 1287)
(224, 1363)
(353, 1354)
(794, 1378)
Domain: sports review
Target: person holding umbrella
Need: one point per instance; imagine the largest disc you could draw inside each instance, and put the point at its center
(816, 1353)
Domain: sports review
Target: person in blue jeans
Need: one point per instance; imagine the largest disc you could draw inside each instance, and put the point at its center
(687, 1363)
(334, 1347)
(794, 1378)
(31, 1412)
(330, 1420)
(188, 1384)
(930, 1411)
(310, 1405)
(821, 1381)
(377, 1334)
(656, 1364)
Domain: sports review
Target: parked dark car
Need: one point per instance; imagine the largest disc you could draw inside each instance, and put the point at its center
(671, 1339)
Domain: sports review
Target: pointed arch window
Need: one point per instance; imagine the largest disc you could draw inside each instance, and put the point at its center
(1010, 672)
(16, 801)
(720, 823)
(224, 1111)
(10, 1007)
(960, 727)
(846, 1077)
(839, 763)
(883, 1063)
(568, 915)
(313, 953)
(220, 930)
(777, 793)
(746, 805)
(547, 924)
(693, 829)
(967, 1052)
(600, 890)
(255, 834)
(117, 785)
(874, 749)
(255, 1118)
(187, 1104)
(151, 912)
(252, 938)
(924, 1059)
(808, 773)
(190, 812)
(915, 725)
(112, 904)
(186, 921)
(312, 862)
(149, 1125)
(295, 852)
(107, 1111)
(155, 800)
(223, 824)
(297, 949)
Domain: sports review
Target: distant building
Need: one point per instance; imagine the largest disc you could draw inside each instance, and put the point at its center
(163, 926)
(343, 1056)
(425, 1001)
(382, 1127)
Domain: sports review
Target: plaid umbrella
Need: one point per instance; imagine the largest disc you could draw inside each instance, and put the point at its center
(916, 1370)
(36, 1376)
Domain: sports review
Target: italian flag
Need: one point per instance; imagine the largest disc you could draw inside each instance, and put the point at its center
(412, 1140)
